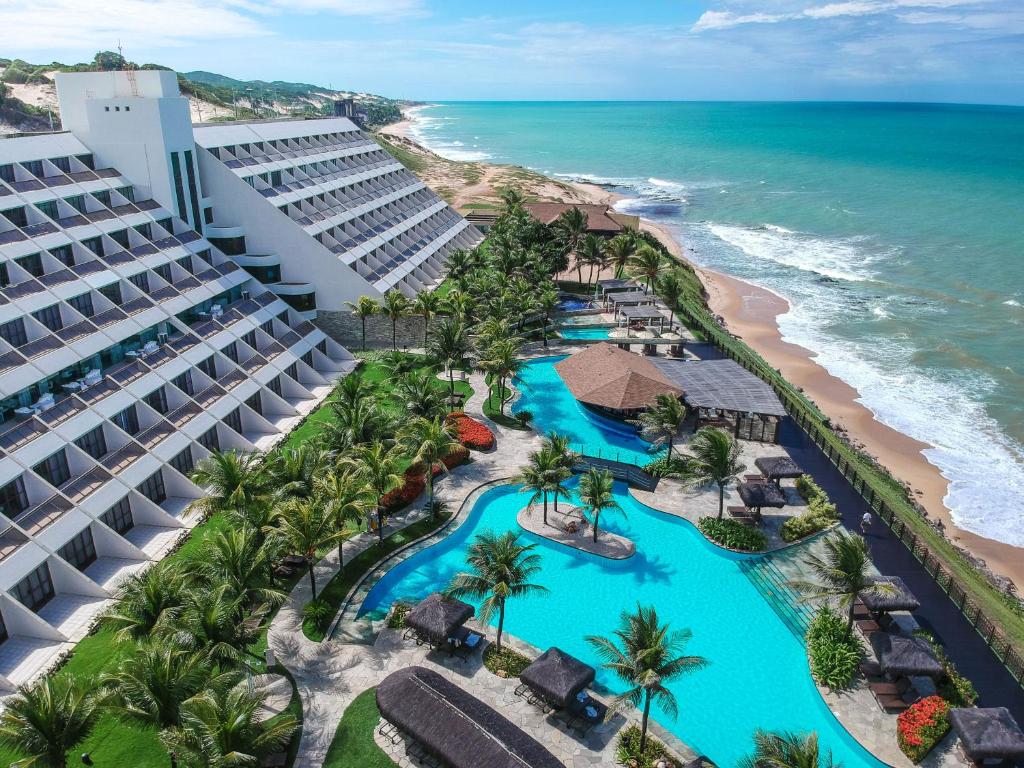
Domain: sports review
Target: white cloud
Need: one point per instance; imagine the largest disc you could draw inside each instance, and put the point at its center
(727, 19)
(851, 8)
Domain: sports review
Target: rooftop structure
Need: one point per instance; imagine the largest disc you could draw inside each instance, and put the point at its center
(130, 348)
(723, 385)
(614, 379)
(601, 219)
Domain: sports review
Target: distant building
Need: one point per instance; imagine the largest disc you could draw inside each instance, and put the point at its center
(601, 219)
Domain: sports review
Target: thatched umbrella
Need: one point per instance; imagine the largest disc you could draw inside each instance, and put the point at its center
(902, 599)
(778, 467)
(557, 677)
(757, 495)
(438, 617)
(455, 726)
(988, 733)
(905, 656)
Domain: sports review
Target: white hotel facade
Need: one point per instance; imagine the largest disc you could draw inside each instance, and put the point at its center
(159, 284)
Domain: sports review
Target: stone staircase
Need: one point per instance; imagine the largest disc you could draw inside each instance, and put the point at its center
(768, 574)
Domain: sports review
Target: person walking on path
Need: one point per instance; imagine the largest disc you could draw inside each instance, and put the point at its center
(865, 522)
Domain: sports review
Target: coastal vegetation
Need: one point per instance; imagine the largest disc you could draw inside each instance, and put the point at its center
(714, 459)
(787, 750)
(834, 653)
(733, 534)
(820, 513)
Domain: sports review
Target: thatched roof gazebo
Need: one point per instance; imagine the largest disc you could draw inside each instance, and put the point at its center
(778, 467)
(613, 379)
(758, 495)
(557, 677)
(900, 600)
(438, 617)
(455, 726)
(905, 656)
(988, 733)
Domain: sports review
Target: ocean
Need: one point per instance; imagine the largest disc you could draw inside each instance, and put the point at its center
(894, 231)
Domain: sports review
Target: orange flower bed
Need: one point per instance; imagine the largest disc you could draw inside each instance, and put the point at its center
(921, 727)
(404, 495)
(471, 433)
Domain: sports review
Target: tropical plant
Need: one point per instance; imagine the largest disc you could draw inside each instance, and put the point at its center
(662, 420)
(419, 393)
(234, 482)
(396, 305)
(547, 303)
(430, 442)
(537, 476)
(923, 725)
(512, 198)
(620, 250)
(379, 468)
(501, 569)
(646, 655)
(427, 304)
(570, 229)
(592, 254)
(214, 622)
(364, 308)
(563, 461)
(646, 264)
(147, 601)
(346, 497)
(307, 528)
(244, 562)
(222, 728)
(715, 461)
(44, 721)
(596, 487)
(733, 534)
(449, 342)
(294, 470)
(787, 750)
(357, 424)
(670, 288)
(842, 572)
(834, 654)
(502, 361)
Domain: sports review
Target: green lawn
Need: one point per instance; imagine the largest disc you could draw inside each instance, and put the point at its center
(353, 745)
(493, 412)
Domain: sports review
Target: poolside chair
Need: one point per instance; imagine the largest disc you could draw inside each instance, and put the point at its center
(742, 514)
(868, 626)
(585, 713)
(886, 688)
(465, 642)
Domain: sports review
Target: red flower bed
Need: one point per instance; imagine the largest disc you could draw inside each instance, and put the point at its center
(405, 494)
(921, 727)
(471, 433)
(459, 455)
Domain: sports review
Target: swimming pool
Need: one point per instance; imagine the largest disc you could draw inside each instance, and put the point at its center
(554, 407)
(757, 676)
(573, 305)
(584, 333)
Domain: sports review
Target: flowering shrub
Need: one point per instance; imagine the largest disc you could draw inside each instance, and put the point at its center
(405, 494)
(459, 455)
(471, 433)
(921, 727)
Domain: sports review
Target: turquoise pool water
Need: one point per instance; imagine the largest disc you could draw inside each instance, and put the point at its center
(757, 676)
(584, 333)
(554, 408)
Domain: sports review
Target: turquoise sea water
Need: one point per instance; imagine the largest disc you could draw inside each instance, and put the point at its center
(893, 230)
(757, 673)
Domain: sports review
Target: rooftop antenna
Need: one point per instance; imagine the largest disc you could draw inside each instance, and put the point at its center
(132, 82)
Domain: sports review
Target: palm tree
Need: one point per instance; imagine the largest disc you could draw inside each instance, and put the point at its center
(308, 529)
(430, 441)
(427, 304)
(537, 476)
(419, 393)
(294, 470)
(363, 308)
(547, 302)
(235, 482)
(501, 569)
(592, 254)
(379, 467)
(150, 686)
(450, 344)
(215, 622)
(244, 562)
(222, 728)
(570, 228)
(502, 361)
(662, 420)
(715, 460)
(362, 422)
(396, 305)
(563, 461)
(842, 572)
(646, 263)
(45, 721)
(345, 497)
(646, 658)
(596, 494)
(670, 288)
(460, 263)
(620, 250)
(787, 750)
(512, 198)
(147, 601)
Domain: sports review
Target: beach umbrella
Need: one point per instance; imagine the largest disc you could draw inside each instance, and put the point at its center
(904, 655)
(988, 733)
(758, 495)
(900, 600)
(778, 467)
(438, 617)
(558, 677)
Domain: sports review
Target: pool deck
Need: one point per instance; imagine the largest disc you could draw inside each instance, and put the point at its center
(608, 544)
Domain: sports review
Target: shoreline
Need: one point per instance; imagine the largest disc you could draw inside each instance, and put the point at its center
(750, 312)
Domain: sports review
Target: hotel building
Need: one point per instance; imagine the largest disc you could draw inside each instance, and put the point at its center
(160, 285)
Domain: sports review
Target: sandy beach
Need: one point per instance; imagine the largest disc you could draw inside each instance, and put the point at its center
(749, 312)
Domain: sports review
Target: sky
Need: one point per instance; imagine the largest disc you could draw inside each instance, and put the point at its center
(905, 50)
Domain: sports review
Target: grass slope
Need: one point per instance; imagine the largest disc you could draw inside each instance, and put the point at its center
(353, 745)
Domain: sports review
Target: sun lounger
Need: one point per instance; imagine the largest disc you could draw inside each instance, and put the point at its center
(892, 703)
(885, 688)
(868, 626)
(465, 642)
(742, 514)
(585, 714)
(753, 479)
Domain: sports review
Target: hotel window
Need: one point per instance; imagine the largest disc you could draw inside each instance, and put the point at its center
(183, 462)
(128, 420)
(3, 629)
(184, 383)
(33, 264)
(64, 163)
(49, 208)
(50, 317)
(82, 304)
(64, 255)
(210, 440)
(179, 191)
(119, 517)
(308, 358)
(250, 339)
(16, 216)
(13, 499)
(7, 173)
(112, 292)
(87, 160)
(13, 332)
(234, 420)
(208, 366)
(54, 469)
(268, 327)
(94, 244)
(5, 276)
(77, 202)
(120, 237)
(231, 352)
(140, 281)
(164, 270)
(80, 551)
(103, 197)
(128, 192)
(36, 589)
(321, 346)
(157, 400)
(93, 442)
(255, 402)
(293, 371)
(153, 487)
(145, 230)
(275, 386)
(193, 194)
